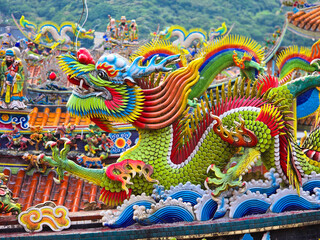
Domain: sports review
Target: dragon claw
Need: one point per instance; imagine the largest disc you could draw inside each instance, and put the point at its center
(213, 196)
(243, 188)
(210, 168)
(51, 144)
(65, 139)
(222, 181)
(41, 156)
(206, 184)
(127, 169)
(56, 181)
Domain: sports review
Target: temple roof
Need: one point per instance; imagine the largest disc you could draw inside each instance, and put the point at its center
(34, 72)
(53, 118)
(307, 121)
(305, 22)
(73, 193)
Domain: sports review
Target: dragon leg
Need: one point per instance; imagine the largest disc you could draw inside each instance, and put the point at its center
(62, 163)
(233, 176)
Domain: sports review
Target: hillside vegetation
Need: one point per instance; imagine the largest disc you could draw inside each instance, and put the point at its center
(252, 18)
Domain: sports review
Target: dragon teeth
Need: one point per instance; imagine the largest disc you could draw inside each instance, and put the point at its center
(81, 84)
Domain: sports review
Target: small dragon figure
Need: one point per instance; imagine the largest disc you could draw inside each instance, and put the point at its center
(58, 33)
(175, 146)
(7, 203)
(295, 61)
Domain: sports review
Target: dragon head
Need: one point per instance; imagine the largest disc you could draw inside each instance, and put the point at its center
(83, 33)
(109, 90)
(248, 67)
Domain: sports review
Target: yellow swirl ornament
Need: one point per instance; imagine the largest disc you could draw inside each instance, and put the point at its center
(55, 217)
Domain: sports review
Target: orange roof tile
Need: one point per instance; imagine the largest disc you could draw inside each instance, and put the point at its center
(31, 190)
(308, 121)
(305, 22)
(48, 119)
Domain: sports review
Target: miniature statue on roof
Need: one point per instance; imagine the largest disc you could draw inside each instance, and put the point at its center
(66, 132)
(123, 27)
(220, 31)
(31, 53)
(58, 33)
(6, 39)
(48, 136)
(271, 39)
(15, 138)
(296, 3)
(36, 135)
(91, 162)
(7, 202)
(12, 81)
(125, 30)
(133, 31)
(112, 27)
(35, 163)
(92, 139)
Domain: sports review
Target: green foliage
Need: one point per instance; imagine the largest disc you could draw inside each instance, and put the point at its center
(252, 18)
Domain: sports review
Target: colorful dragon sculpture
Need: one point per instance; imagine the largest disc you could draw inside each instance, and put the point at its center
(7, 202)
(293, 59)
(175, 146)
(58, 33)
(185, 38)
(305, 60)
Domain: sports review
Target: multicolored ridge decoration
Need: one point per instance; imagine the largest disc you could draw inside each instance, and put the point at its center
(185, 38)
(306, 61)
(177, 145)
(225, 52)
(58, 33)
(293, 58)
(162, 48)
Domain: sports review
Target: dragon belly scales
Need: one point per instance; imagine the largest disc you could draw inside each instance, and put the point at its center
(176, 146)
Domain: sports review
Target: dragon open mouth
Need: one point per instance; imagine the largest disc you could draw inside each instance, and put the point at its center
(91, 101)
(84, 89)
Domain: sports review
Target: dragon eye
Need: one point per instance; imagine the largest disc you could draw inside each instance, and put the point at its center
(103, 75)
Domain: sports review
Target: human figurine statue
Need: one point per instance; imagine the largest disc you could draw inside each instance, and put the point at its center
(12, 81)
(6, 39)
(123, 27)
(112, 27)
(133, 30)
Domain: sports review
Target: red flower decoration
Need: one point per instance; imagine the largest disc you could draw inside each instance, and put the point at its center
(84, 56)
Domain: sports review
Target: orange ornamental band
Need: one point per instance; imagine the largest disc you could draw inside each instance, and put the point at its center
(109, 69)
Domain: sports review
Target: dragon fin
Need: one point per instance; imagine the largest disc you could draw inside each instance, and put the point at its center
(293, 173)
